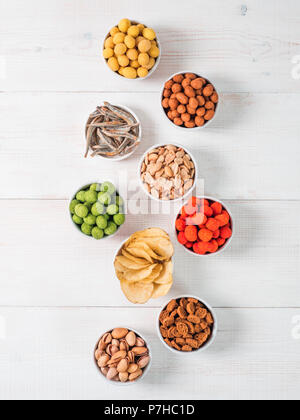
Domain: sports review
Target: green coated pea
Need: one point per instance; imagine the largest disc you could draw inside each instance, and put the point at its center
(81, 211)
(97, 233)
(97, 209)
(112, 209)
(95, 187)
(101, 222)
(77, 220)
(80, 196)
(119, 219)
(91, 196)
(73, 205)
(108, 187)
(104, 198)
(86, 229)
(90, 220)
(111, 229)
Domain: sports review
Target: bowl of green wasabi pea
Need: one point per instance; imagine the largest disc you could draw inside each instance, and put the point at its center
(97, 210)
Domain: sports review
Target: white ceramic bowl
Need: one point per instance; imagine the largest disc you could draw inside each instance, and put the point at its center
(120, 158)
(78, 228)
(146, 370)
(154, 68)
(207, 344)
(184, 128)
(227, 243)
(140, 168)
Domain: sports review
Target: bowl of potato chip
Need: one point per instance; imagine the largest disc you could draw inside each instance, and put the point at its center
(144, 265)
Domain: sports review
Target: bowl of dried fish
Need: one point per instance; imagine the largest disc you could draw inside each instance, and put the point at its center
(112, 132)
(168, 172)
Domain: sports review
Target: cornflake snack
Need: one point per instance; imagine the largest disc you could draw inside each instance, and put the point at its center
(186, 324)
(122, 355)
(144, 265)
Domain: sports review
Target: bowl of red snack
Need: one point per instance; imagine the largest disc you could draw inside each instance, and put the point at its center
(204, 226)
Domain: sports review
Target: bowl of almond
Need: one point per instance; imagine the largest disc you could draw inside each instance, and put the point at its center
(122, 356)
(186, 325)
(168, 172)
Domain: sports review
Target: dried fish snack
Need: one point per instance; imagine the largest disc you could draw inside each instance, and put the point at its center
(111, 131)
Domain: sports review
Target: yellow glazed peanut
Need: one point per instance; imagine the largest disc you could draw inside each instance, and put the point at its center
(108, 52)
(144, 59)
(113, 64)
(134, 31)
(144, 46)
(120, 49)
(132, 54)
(149, 33)
(121, 71)
(119, 38)
(134, 64)
(123, 60)
(151, 64)
(139, 39)
(141, 27)
(142, 72)
(109, 43)
(124, 25)
(154, 52)
(129, 41)
(129, 73)
(114, 31)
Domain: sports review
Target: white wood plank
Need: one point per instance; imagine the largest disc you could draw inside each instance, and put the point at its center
(250, 151)
(46, 262)
(243, 46)
(48, 355)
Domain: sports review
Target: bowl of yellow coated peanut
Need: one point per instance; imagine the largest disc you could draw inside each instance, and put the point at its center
(132, 50)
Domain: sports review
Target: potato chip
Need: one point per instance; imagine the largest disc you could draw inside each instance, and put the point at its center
(161, 290)
(155, 274)
(151, 233)
(161, 247)
(133, 258)
(140, 253)
(142, 244)
(133, 276)
(166, 275)
(131, 265)
(138, 293)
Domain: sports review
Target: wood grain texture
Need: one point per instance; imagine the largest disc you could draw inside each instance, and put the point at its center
(58, 266)
(251, 150)
(48, 354)
(242, 46)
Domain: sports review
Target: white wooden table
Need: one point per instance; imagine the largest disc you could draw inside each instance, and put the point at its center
(58, 291)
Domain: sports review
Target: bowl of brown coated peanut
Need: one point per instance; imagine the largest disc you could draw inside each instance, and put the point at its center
(122, 356)
(187, 325)
(189, 101)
